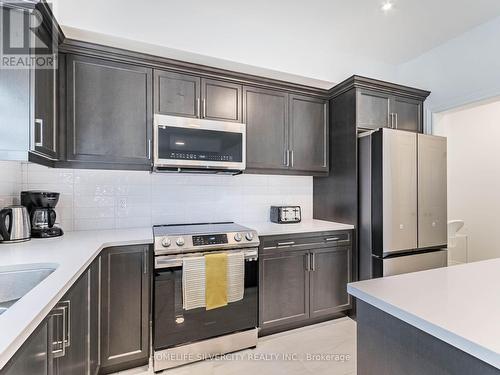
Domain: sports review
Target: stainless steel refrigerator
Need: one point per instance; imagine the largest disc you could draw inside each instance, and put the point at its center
(402, 203)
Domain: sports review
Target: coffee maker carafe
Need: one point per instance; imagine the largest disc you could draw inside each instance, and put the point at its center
(40, 205)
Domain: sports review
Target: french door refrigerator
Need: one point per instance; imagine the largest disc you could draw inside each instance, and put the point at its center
(402, 203)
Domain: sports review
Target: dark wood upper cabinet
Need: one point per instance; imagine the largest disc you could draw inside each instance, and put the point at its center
(187, 95)
(44, 134)
(380, 104)
(373, 109)
(125, 289)
(265, 113)
(331, 270)
(407, 114)
(109, 112)
(177, 94)
(308, 134)
(220, 100)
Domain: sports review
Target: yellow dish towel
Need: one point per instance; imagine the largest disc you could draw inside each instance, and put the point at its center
(216, 280)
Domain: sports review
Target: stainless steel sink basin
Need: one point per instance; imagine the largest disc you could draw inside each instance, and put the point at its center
(16, 281)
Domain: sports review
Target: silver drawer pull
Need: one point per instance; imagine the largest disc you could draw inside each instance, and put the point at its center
(332, 239)
(289, 243)
(39, 122)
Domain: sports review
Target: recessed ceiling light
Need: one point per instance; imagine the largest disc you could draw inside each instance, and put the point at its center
(387, 6)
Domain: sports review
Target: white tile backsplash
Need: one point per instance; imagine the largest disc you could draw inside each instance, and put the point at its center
(99, 199)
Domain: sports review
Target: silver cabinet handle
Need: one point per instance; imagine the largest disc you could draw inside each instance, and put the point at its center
(60, 340)
(313, 255)
(332, 239)
(149, 148)
(291, 158)
(39, 121)
(204, 108)
(198, 113)
(66, 305)
(146, 259)
(391, 122)
(285, 158)
(396, 118)
(289, 243)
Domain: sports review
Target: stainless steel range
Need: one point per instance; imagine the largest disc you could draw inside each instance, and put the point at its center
(182, 335)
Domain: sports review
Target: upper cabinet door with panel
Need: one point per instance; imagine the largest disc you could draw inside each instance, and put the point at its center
(220, 100)
(308, 134)
(177, 94)
(109, 112)
(265, 113)
(373, 110)
(407, 114)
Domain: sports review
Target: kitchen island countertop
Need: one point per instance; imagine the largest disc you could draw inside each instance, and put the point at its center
(459, 305)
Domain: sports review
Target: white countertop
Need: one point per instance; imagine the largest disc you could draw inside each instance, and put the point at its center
(72, 253)
(459, 305)
(306, 226)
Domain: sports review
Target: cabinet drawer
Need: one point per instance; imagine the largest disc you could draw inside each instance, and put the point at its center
(272, 244)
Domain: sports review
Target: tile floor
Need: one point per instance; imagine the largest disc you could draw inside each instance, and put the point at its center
(325, 348)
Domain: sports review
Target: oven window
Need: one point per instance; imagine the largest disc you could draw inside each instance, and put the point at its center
(199, 144)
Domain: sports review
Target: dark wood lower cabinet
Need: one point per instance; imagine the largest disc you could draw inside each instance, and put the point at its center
(303, 280)
(125, 296)
(35, 356)
(284, 291)
(115, 291)
(76, 306)
(331, 271)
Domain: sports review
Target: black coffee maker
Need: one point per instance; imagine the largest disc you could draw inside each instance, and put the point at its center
(40, 205)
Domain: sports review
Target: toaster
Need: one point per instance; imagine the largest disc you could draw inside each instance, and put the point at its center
(285, 214)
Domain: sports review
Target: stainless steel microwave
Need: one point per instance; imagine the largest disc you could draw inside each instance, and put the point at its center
(198, 145)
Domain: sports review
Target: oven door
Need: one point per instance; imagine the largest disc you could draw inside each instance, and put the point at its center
(175, 326)
(194, 143)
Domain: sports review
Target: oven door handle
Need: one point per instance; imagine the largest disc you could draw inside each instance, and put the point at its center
(171, 261)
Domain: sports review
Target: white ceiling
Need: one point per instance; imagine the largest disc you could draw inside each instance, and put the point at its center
(322, 39)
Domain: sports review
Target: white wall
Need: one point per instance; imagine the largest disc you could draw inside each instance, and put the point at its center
(474, 174)
(460, 71)
(98, 199)
(10, 182)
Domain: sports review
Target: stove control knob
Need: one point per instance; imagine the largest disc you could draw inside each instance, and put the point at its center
(249, 236)
(180, 241)
(238, 237)
(165, 242)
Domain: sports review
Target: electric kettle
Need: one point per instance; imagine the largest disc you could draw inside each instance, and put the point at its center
(14, 224)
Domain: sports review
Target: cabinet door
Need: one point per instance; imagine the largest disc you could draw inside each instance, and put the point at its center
(177, 94)
(283, 288)
(221, 100)
(124, 307)
(399, 195)
(109, 112)
(373, 110)
(432, 191)
(265, 113)
(15, 102)
(94, 298)
(44, 130)
(407, 114)
(35, 356)
(308, 134)
(330, 273)
(76, 303)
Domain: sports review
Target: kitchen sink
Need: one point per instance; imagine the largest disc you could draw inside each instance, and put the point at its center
(16, 281)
